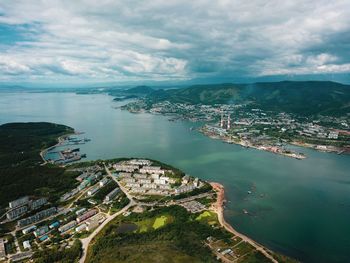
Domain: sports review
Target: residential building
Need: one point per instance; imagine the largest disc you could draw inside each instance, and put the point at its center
(81, 227)
(16, 212)
(152, 170)
(67, 226)
(125, 168)
(93, 190)
(37, 217)
(2, 249)
(26, 244)
(103, 182)
(38, 203)
(140, 162)
(19, 202)
(87, 215)
(28, 230)
(111, 195)
(41, 231)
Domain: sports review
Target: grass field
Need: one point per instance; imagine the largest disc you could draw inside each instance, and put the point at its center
(153, 223)
(208, 217)
(159, 222)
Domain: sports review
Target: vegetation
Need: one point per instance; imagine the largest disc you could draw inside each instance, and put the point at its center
(21, 172)
(55, 255)
(178, 240)
(319, 97)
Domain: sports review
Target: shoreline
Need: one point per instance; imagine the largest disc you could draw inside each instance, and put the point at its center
(60, 140)
(269, 149)
(218, 208)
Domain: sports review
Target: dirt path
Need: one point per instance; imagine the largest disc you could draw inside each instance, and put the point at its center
(219, 209)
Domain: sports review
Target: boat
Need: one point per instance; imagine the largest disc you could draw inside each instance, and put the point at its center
(245, 211)
(249, 192)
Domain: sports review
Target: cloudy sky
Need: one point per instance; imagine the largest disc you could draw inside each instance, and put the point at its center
(102, 41)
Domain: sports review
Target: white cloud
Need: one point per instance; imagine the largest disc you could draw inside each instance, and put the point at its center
(174, 39)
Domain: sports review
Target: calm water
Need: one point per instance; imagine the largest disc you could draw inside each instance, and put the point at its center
(300, 208)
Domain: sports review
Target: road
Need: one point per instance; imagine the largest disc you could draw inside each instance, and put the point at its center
(86, 241)
(220, 211)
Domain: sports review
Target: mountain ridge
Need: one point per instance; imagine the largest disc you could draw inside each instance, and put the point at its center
(302, 97)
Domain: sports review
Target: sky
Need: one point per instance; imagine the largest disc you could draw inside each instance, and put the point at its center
(173, 41)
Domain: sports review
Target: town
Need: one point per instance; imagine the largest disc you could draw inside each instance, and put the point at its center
(102, 191)
(252, 127)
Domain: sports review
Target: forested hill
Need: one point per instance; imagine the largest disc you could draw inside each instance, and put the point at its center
(20, 170)
(302, 97)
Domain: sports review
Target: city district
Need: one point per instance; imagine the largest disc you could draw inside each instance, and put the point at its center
(106, 190)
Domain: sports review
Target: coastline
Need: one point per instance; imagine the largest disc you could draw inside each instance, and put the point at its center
(218, 208)
(60, 140)
(270, 149)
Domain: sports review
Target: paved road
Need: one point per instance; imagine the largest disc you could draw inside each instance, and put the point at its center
(86, 241)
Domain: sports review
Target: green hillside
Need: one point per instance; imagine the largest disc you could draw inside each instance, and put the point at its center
(20, 169)
(302, 97)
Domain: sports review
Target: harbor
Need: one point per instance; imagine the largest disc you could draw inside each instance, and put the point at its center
(62, 153)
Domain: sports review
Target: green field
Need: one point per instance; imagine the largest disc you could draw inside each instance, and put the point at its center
(208, 217)
(159, 222)
(167, 234)
(154, 223)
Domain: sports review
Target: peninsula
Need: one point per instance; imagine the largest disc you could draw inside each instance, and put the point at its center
(264, 116)
(120, 210)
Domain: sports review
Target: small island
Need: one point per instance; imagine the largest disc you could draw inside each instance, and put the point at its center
(119, 210)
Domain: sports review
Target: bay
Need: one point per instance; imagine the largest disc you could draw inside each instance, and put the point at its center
(299, 208)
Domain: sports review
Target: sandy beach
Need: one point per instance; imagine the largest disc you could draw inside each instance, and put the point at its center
(218, 207)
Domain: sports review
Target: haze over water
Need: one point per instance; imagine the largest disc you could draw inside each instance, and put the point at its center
(300, 208)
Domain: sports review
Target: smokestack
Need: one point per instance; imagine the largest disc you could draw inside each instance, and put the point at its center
(222, 120)
(228, 122)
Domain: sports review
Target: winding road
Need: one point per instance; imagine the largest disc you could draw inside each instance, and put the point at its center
(86, 241)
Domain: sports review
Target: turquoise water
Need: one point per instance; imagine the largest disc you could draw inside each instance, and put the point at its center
(300, 208)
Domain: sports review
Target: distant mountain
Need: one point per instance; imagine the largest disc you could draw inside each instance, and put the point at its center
(141, 90)
(302, 97)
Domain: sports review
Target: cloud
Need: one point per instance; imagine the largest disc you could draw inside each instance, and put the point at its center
(172, 40)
